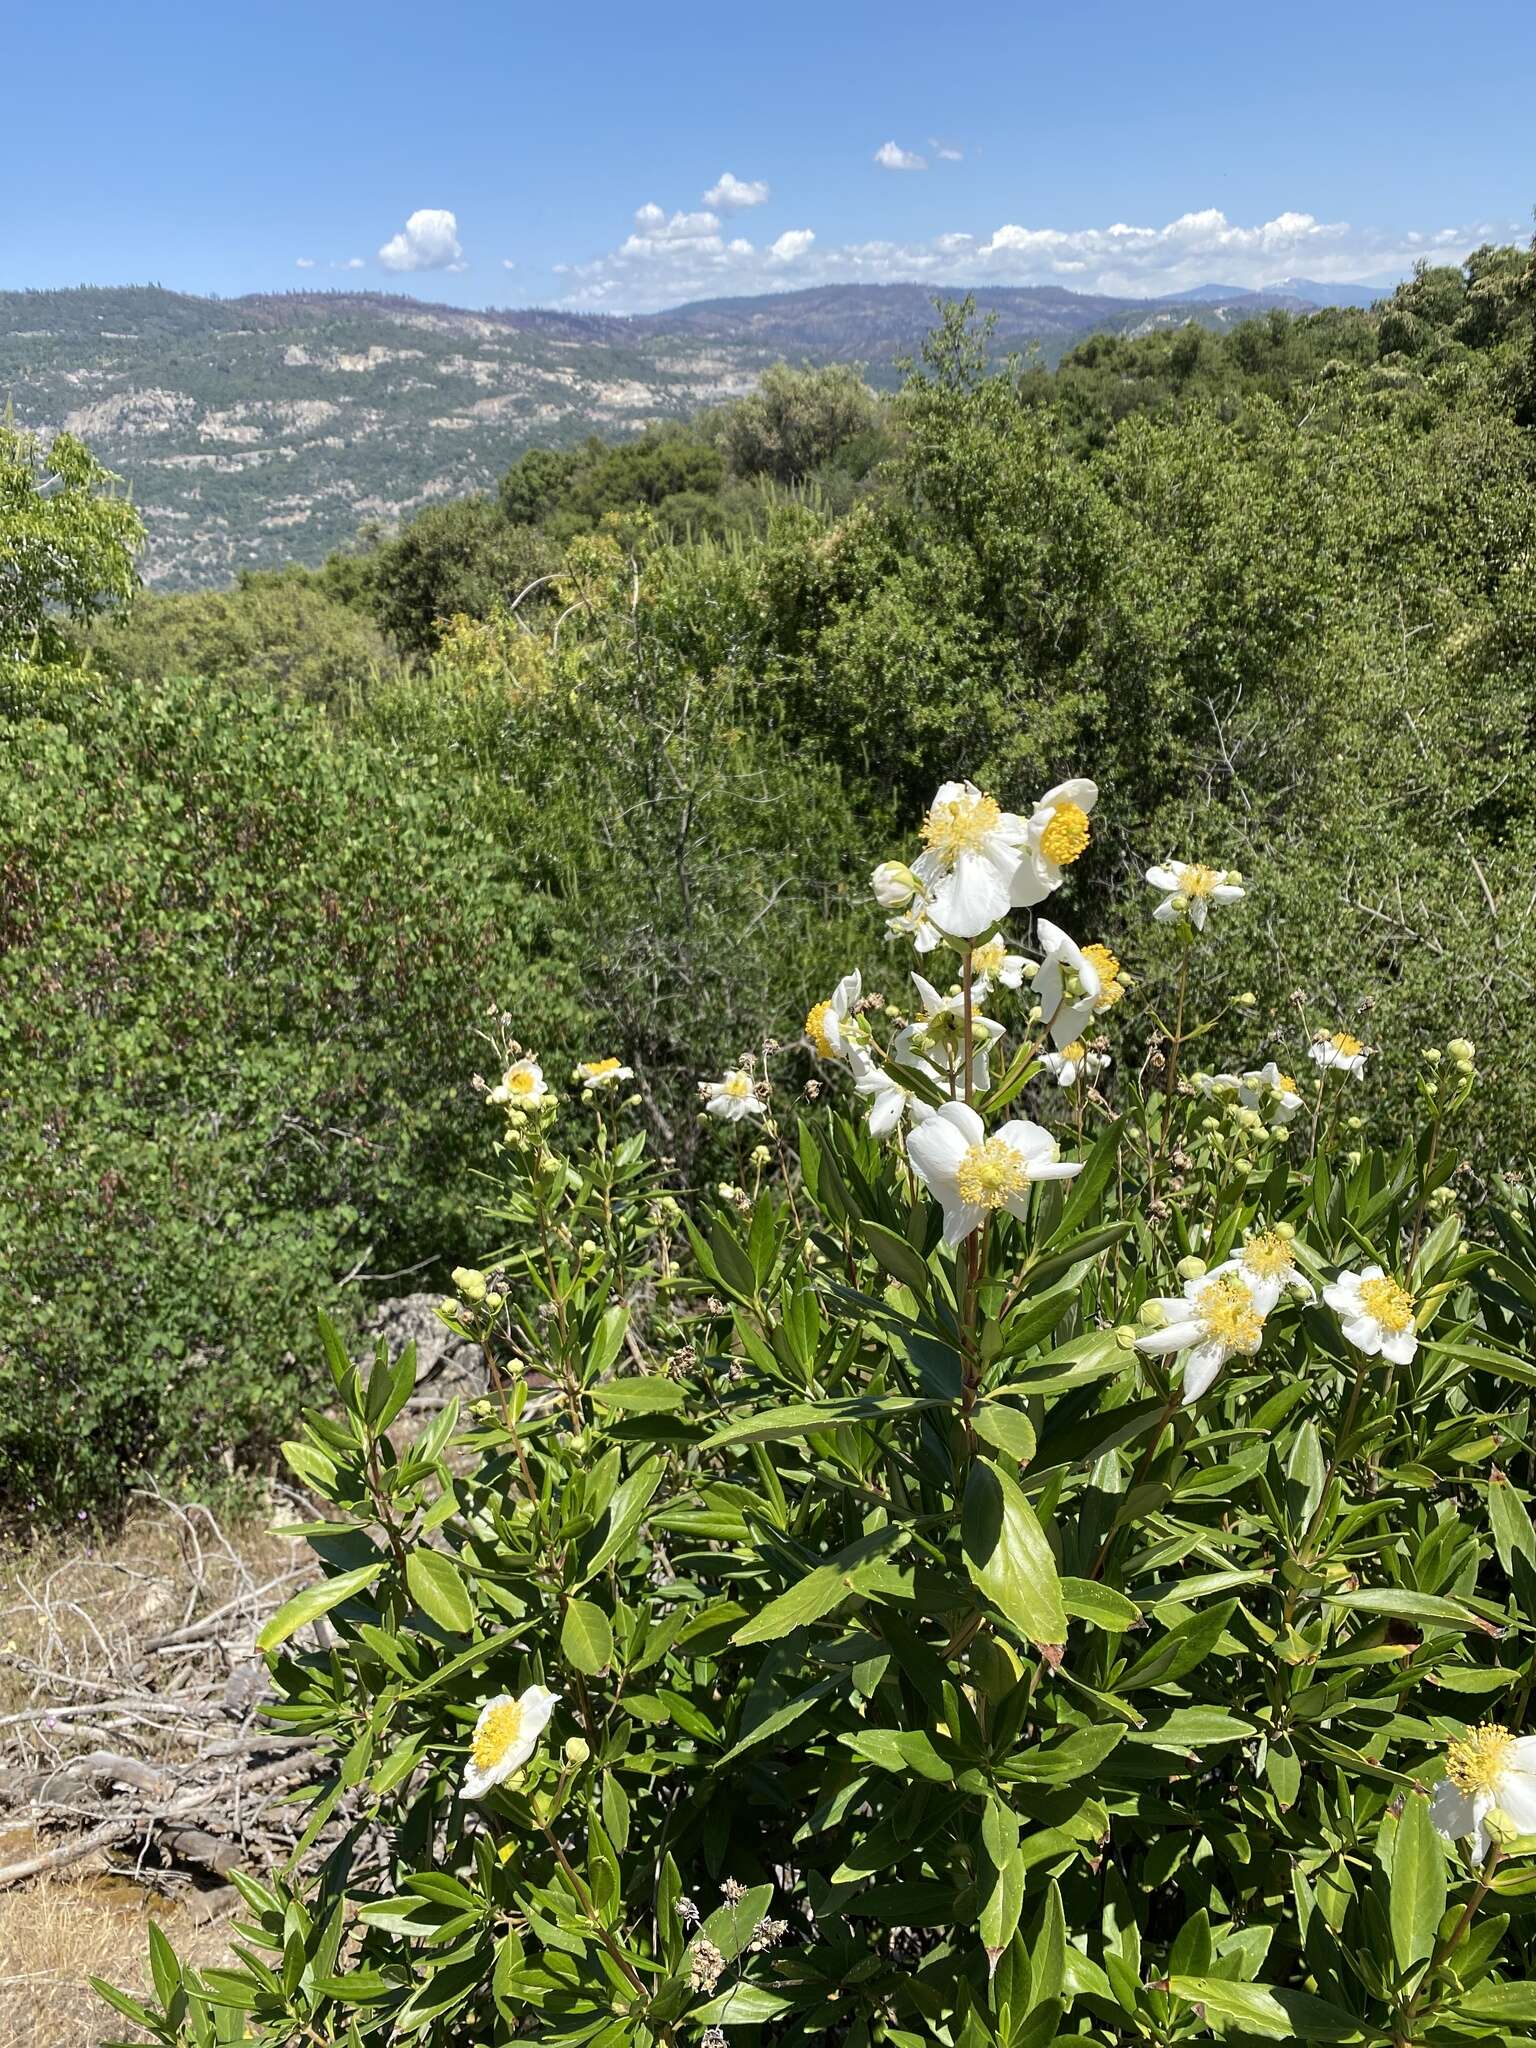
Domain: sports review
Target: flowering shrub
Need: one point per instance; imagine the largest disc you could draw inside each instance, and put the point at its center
(1018, 1563)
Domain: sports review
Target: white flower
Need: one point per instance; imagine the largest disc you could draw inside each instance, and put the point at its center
(897, 888)
(1189, 890)
(994, 963)
(1217, 1317)
(1272, 1094)
(1488, 1771)
(506, 1735)
(1267, 1262)
(889, 1102)
(973, 850)
(1375, 1314)
(971, 1175)
(732, 1097)
(1067, 986)
(833, 1027)
(522, 1086)
(601, 1073)
(1072, 1060)
(935, 1044)
(1338, 1049)
(1055, 836)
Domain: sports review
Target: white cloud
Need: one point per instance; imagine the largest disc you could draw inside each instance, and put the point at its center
(732, 193)
(792, 243)
(428, 241)
(508, 263)
(946, 152)
(670, 258)
(352, 263)
(890, 156)
(303, 262)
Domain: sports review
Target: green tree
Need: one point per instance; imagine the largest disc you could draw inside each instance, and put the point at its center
(66, 543)
(796, 421)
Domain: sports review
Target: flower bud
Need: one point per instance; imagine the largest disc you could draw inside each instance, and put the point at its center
(1125, 1336)
(1242, 1164)
(1030, 969)
(1286, 1231)
(1460, 1048)
(1235, 878)
(1191, 1268)
(726, 1191)
(760, 1155)
(1247, 1000)
(894, 884)
(470, 1282)
(1432, 1055)
(1151, 1315)
(1036, 1014)
(494, 1302)
(577, 1752)
(1354, 1123)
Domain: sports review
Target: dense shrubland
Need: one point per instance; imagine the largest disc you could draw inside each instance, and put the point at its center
(615, 750)
(979, 1578)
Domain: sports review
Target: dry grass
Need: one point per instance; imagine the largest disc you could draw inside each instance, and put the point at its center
(75, 1673)
(54, 1937)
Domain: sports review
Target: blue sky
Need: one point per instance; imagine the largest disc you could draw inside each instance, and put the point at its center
(506, 154)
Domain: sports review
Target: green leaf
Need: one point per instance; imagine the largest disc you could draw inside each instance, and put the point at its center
(1004, 1902)
(1007, 1429)
(1270, 2011)
(820, 1590)
(435, 1585)
(626, 1511)
(314, 1601)
(586, 1638)
(1510, 1521)
(1514, 2001)
(805, 1418)
(1008, 1557)
(1101, 1606)
(895, 1256)
(1418, 1884)
(1408, 1605)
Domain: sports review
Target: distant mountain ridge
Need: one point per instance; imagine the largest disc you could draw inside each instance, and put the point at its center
(264, 429)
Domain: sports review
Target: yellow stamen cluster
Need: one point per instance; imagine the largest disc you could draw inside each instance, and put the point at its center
(1476, 1763)
(1268, 1255)
(518, 1083)
(988, 959)
(1345, 1046)
(737, 1086)
(1387, 1304)
(593, 1070)
(1107, 967)
(496, 1734)
(1076, 1052)
(1226, 1308)
(1066, 836)
(990, 1174)
(1200, 881)
(816, 1031)
(962, 825)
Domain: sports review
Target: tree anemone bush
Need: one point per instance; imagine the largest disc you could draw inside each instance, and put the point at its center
(1042, 1554)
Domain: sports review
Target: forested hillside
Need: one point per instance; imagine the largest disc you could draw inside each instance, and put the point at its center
(269, 429)
(613, 746)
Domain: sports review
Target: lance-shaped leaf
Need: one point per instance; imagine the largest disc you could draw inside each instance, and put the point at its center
(1008, 1557)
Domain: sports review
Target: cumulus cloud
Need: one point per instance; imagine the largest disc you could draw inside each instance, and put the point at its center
(428, 241)
(303, 262)
(673, 257)
(731, 193)
(352, 263)
(791, 244)
(890, 156)
(946, 152)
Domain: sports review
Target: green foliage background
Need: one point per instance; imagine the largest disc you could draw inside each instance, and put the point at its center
(615, 748)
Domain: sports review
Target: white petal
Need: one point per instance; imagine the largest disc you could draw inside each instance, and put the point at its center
(1399, 1346)
(1077, 790)
(1165, 879)
(1451, 1811)
(1171, 1337)
(1364, 1334)
(962, 1118)
(1201, 1367)
(974, 897)
(1028, 1138)
(1343, 1294)
(1517, 1798)
(960, 1219)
